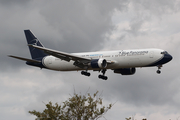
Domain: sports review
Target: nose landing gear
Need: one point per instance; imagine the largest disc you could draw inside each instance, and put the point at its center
(159, 67)
(158, 71)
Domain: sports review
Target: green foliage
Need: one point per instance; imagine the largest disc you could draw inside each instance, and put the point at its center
(128, 118)
(133, 118)
(78, 107)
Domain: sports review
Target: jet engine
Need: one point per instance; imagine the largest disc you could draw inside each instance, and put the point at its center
(98, 63)
(125, 71)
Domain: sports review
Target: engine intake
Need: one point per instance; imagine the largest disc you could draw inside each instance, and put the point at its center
(125, 71)
(98, 63)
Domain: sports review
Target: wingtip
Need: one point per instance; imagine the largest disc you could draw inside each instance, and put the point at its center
(9, 55)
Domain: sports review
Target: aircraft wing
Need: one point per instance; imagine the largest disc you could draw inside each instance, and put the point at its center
(62, 55)
(25, 59)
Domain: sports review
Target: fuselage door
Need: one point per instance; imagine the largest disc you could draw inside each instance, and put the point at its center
(151, 54)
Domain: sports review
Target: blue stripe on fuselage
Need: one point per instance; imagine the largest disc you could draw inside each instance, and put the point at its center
(166, 58)
(36, 64)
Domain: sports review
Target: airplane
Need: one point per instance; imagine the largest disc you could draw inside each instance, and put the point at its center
(123, 62)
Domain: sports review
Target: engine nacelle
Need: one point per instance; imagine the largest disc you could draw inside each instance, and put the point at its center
(98, 63)
(125, 71)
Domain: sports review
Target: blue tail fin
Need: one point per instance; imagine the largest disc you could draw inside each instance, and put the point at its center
(31, 39)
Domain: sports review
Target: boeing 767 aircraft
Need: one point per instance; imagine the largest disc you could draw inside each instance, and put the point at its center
(123, 62)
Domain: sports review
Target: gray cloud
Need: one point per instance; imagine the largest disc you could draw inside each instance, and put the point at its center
(146, 11)
(80, 23)
(14, 2)
(156, 7)
(87, 26)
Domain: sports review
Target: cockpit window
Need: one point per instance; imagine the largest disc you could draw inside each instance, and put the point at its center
(164, 52)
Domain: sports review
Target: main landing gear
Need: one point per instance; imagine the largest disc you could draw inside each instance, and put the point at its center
(159, 67)
(102, 76)
(85, 73)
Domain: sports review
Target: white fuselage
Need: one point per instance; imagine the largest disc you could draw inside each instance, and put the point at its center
(123, 62)
(119, 59)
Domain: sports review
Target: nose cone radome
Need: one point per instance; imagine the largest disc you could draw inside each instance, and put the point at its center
(168, 57)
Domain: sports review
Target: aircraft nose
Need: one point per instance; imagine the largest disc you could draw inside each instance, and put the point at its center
(168, 57)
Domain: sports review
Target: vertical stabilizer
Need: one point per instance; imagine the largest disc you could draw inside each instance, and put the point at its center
(31, 39)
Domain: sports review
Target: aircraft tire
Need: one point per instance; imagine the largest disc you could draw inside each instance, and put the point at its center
(158, 71)
(103, 77)
(82, 72)
(85, 73)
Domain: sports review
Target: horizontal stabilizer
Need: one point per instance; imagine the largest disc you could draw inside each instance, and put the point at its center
(25, 59)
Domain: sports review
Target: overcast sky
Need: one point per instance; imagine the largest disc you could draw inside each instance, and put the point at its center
(90, 25)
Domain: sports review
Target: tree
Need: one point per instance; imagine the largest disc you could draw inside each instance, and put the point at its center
(77, 107)
(133, 118)
(128, 118)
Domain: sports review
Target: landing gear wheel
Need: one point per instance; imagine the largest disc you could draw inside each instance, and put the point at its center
(103, 77)
(85, 73)
(158, 71)
(82, 72)
(88, 74)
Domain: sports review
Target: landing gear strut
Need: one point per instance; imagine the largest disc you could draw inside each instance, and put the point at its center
(159, 67)
(102, 76)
